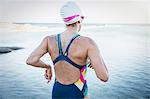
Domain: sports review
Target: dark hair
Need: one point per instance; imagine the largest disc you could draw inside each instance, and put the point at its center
(73, 24)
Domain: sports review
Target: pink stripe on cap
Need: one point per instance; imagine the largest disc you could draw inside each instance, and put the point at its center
(70, 18)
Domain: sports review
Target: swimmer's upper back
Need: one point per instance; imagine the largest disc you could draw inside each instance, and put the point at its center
(80, 50)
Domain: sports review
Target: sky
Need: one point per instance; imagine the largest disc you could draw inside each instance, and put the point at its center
(95, 11)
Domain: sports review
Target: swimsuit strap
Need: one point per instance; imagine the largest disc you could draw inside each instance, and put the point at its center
(68, 46)
(67, 49)
(64, 56)
(59, 45)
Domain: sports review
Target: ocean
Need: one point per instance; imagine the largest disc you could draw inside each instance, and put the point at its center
(124, 48)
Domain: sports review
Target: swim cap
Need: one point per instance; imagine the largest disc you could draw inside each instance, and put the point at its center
(71, 13)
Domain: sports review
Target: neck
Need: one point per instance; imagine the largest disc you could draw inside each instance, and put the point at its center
(71, 31)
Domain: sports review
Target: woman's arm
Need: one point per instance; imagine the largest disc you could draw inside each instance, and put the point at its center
(34, 57)
(97, 61)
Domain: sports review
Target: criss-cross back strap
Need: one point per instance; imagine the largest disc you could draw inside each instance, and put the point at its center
(60, 46)
(63, 56)
(67, 49)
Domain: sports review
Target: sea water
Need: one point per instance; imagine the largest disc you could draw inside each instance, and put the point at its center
(124, 48)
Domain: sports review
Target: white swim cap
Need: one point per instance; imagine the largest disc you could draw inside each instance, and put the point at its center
(71, 13)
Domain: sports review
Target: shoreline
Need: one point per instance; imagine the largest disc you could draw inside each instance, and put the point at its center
(47, 27)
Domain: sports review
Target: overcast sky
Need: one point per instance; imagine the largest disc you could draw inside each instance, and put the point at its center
(95, 11)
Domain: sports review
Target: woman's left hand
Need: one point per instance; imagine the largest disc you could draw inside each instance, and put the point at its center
(89, 63)
(90, 66)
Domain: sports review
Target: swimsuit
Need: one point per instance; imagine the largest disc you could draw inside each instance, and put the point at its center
(77, 90)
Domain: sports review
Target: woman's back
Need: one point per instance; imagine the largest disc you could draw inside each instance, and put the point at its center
(65, 72)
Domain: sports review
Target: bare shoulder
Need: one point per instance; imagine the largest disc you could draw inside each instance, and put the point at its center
(50, 37)
(50, 41)
(83, 38)
(88, 41)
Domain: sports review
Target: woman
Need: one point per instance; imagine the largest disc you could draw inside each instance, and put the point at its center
(69, 52)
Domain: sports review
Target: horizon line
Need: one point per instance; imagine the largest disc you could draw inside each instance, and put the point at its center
(89, 23)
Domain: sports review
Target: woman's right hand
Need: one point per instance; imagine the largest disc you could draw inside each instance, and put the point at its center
(48, 74)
